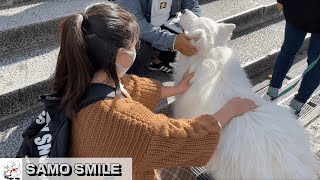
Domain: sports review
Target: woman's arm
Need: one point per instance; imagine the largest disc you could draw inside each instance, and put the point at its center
(143, 90)
(182, 142)
(149, 91)
(168, 142)
(182, 87)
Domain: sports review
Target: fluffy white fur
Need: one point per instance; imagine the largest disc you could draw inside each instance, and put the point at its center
(267, 143)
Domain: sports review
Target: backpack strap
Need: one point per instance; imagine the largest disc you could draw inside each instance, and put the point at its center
(96, 92)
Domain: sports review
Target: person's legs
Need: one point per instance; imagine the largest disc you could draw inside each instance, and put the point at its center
(143, 59)
(163, 61)
(292, 43)
(167, 56)
(311, 80)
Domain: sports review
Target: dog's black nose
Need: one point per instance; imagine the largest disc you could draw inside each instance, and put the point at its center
(183, 11)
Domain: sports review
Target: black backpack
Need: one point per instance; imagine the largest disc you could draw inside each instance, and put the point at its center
(49, 134)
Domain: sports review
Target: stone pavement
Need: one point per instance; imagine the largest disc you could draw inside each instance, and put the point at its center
(314, 130)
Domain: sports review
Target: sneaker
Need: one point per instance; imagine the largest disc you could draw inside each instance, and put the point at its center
(267, 97)
(161, 67)
(290, 109)
(273, 92)
(173, 64)
(296, 105)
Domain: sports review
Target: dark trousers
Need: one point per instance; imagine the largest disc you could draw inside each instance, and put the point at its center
(146, 54)
(293, 41)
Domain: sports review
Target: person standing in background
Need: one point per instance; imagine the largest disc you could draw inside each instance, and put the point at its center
(301, 17)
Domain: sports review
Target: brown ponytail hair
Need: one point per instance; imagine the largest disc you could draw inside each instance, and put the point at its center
(89, 42)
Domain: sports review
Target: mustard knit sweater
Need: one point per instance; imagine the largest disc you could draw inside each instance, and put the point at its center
(131, 129)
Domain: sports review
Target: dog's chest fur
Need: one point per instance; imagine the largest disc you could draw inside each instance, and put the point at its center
(218, 78)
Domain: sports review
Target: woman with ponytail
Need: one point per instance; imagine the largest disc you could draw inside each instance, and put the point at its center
(98, 47)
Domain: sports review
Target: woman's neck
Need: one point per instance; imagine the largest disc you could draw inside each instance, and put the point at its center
(102, 77)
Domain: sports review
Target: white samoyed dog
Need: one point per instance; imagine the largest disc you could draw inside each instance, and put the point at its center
(267, 143)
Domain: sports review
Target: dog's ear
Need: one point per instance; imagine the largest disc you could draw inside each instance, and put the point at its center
(199, 37)
(197, 34)
(224, 33)
(226, 30)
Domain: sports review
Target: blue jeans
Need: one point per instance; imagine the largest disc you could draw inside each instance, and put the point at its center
(293, 41)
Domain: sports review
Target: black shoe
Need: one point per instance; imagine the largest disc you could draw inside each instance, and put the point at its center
(161, 67)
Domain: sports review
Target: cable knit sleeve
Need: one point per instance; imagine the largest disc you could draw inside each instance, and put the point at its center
(143, 90)
(172, 143)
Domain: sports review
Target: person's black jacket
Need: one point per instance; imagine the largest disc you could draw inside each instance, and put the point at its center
(304, 14)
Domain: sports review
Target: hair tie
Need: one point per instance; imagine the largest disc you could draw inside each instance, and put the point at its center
(85, 19)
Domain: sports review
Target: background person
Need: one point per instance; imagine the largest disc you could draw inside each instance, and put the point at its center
(158, 44)
(301, 17)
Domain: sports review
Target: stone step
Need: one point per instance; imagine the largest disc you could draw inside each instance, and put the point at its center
(10, 3)
(24, 76)
(22, 69)
(244, 13)
(313, 130)
(12, 129)
(36, 23)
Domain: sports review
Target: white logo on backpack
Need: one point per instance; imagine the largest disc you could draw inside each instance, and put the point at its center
(44, 143)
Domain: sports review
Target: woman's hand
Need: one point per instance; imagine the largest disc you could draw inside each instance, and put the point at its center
(184, 84)
(181, 88)
(238, 106)
(233, 108)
